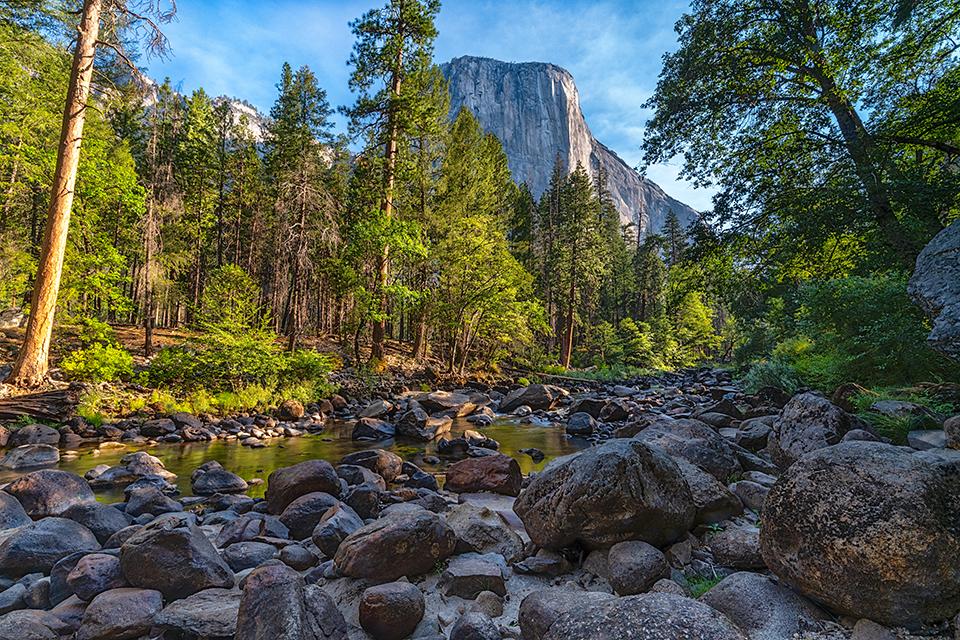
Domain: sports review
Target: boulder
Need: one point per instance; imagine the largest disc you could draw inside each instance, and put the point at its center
(935, 286)
(133, 466)
(414, 541)
(12, 514)
(248, 554)
(449, 403)
(157, 428)
(211, 613)
(483, 530)
(93, 574)
(764, 609)
(923, 439)
(210, 478)
(335, 525)
(30, 456)
(298, 557)
(696, 443)
(120, 614)
(713, 501)
(475, 625)
(754, 433)
(591, 406)
(250, 526)
(302, 515)
(494, 473)
(289, 483)
(28, 625)
(391, 611)
(751, 494)
(581, 424)
(635, 566)
(276, 603)
(102, 519)
(807, 423)
(951, 431)
(49, 492)
(535, 396)
(150, 500)
(373, 429)
(869, 529)
(468, 575)
(386, 464)
(38, 546)
(737, 547)
(290, 410)
(175, 558)
(354, 474)
(33, 434)
(418, 425)
(619, 490)
(540, 609)
(660, 616)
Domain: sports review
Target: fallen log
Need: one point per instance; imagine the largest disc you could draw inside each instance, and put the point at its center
(58, 405)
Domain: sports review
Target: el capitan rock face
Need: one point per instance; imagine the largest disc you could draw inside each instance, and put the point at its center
(534, 109)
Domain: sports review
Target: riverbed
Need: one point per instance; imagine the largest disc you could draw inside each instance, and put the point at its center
(332, 444)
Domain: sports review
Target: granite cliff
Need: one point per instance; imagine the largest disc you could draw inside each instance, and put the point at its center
(534, 108)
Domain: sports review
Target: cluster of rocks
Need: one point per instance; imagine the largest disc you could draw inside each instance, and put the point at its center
(701, 512)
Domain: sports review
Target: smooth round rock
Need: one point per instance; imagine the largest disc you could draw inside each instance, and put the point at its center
(391, 611)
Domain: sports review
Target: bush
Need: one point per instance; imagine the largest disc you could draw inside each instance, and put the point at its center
(98, 363)
(774, 372)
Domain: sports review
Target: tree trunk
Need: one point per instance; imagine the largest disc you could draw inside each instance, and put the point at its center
(383, 261)
(32, 363)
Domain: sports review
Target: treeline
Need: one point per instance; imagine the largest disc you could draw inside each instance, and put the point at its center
(422, 235)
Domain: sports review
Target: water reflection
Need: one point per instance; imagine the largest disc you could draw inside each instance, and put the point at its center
(331, 445)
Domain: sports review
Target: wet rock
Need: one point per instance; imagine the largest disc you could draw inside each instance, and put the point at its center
(49, 492)
(737, 547)
(866, 528)
(150, 500)
(12, 514)
(373, 429)
(30, 456)
(250, 526)
(354, 474)
(276, 603)
(661, 616)
(808, 422)
(335, 525)
(619, 490)
(174, 558)
(211, 613)
(94, 574)
(249, 554)
(38, 546)
(418, 425)
(33, 434)
(386, 464)
(534, 396)
(475, 626)
(696, 443)
(158, 427)
(414, 542)
(391, 611)
(535, 454)
(540, 609)
(376, 409)
(102, 519)
(495, 473)
(289, 483)
(581, 424)
(302, 515)
(451, 404)
(591, 406)
(120, 614)
(210, 478)
(485, 531)
(635, 566)
(133, 467)
(762, 608)
(468, 575)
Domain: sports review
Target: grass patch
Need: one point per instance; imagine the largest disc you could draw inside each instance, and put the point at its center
(897, 427)
(700, 585)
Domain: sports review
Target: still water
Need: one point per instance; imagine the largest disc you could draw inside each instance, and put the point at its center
(331, 445)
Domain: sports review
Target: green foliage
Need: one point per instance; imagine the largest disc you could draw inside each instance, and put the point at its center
(771, 372)
(98, 363)
(230, 302)
(897, 427)
(700, 585)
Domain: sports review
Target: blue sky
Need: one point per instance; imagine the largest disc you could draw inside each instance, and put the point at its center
(612, 47)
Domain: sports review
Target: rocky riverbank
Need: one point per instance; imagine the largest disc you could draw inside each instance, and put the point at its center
(699, 513)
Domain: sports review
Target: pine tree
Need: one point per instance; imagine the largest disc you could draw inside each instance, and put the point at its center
(674, 238)
(392, 43)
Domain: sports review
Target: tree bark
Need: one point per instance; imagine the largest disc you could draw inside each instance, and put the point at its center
(32, 362)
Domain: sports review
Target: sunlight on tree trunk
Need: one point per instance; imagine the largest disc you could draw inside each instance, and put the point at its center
(32, 363)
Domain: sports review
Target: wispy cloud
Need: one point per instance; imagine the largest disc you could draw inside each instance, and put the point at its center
(612, 47)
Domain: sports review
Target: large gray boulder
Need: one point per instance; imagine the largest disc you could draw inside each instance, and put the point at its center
(289, 483)
(807, 423)
(49, 492)
(41, 545)
(276, 603)
(695, 442)
(657, 616)
(764, 609)
(211, 613)
(535, 396)
(869, 529)
(414, 542)
(935, 286)
(133, 467)
(30, 456)
(120, 614)
(175, 558)
(540, 609)
(12, 514)
(619, 490)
